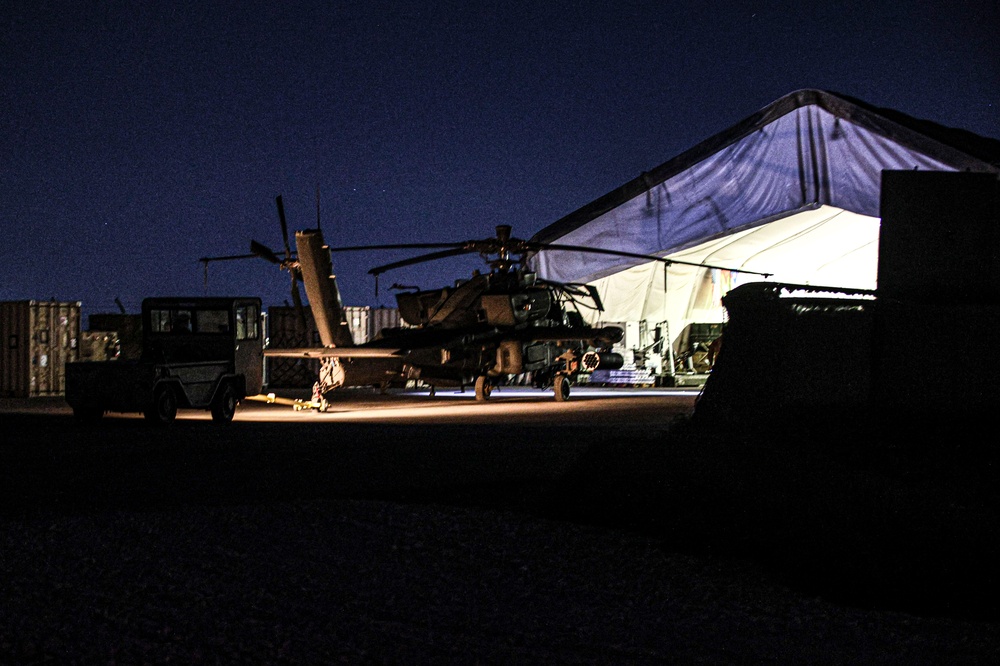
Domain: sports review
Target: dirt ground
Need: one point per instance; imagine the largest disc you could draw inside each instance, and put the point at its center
(622, 536)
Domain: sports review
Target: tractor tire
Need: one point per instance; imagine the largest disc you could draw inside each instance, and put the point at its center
(163, 411)
(224, 404)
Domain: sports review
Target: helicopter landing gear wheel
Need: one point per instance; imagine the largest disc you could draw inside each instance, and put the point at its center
(561, 388)
(483, 388)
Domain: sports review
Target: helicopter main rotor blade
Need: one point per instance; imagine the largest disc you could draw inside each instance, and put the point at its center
(453, 252)
(205, 260)
(398, 246)
(540, 247)
(505, 246)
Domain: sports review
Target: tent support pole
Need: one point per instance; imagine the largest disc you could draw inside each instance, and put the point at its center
(665, 331)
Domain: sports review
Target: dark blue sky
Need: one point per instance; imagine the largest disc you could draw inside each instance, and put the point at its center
(138, 138)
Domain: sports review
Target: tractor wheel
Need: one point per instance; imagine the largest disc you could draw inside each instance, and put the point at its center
(224, 405)
(561, 388)
(483, 388)
(164, 408)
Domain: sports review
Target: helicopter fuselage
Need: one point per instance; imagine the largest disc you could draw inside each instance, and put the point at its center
(479, 331)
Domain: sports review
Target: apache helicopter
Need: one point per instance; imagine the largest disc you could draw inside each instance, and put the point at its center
(480, 332)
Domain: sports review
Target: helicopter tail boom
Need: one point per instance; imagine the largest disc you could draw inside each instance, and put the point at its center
(316, 269)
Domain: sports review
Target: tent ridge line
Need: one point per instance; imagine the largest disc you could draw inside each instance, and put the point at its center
(884, 122)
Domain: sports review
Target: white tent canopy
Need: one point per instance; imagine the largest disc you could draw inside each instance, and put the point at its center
(794, 191)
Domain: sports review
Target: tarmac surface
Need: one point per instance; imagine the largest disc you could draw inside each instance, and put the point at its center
(411, 529)
(517, 405)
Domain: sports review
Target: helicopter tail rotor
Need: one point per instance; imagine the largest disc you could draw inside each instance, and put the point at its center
(290, 263)
(284, 227)
(264, 252)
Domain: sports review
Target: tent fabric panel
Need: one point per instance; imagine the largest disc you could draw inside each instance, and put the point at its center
(826, 246)
(638, 294)
(806, 158)
(800, 248)
(842, 252)
(854, 159)
(793, 190)
(958, 149)
(625, 294)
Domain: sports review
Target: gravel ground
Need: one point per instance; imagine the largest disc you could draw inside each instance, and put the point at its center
(262, 543)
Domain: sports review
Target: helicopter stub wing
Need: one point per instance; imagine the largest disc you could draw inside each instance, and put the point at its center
(398, 347)
(608, 335)
(335, 352)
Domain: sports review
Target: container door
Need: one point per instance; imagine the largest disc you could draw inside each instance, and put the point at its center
(249, 354)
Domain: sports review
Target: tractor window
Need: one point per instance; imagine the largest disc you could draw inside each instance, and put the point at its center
(170, 321)
(211, 321)
(181, 321)
(247, 323)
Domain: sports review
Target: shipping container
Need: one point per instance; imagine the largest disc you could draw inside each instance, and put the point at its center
(357, 319)
(38, 338)
(379, 318)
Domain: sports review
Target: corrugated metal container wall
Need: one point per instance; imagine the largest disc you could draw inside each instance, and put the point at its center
(16, 353)
(380, 318)
(367, 322)
(38, 338)
(357, 319)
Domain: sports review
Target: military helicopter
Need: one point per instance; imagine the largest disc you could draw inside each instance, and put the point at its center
(481, 331)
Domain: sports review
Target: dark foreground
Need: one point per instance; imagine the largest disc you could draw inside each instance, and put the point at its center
(623, 537)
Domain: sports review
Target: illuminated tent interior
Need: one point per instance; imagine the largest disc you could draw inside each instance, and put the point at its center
(792, 191)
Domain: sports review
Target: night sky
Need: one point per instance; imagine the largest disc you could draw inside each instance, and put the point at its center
(137, 137)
